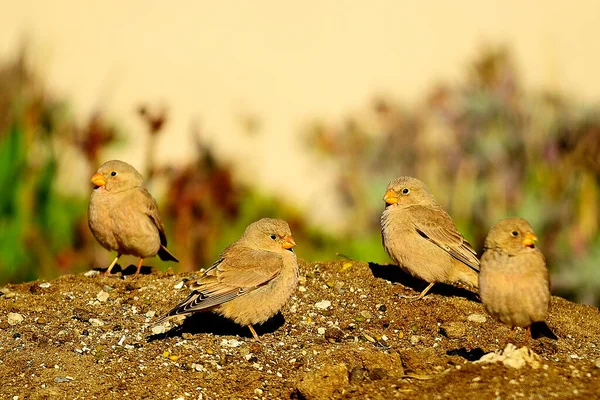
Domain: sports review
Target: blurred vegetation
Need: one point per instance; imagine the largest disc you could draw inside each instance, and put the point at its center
(485, 147)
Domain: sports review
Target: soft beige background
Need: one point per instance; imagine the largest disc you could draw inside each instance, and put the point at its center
(287, 62)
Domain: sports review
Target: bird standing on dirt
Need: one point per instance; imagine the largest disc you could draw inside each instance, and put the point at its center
(513, 284)
(124, 217)
(422, 238)
(251, 281)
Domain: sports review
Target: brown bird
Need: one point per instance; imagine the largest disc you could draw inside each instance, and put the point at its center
(124, 217)
(422, 238)
(252, 279)
(513, 284)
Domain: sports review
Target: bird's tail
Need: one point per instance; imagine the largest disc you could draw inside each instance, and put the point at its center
(539, 329)
(166, 255)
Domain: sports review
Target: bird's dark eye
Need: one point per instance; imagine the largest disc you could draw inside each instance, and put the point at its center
(113, 173)
(515, 233)
(405, 191)
(273, 236)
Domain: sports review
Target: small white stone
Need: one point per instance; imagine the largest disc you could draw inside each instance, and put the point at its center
(150, 314)
(45, 285)
(230, 343)
(92, 273)
(321, 331)
(323, 304)
(15, 318)
(96, 322)
(158, 329)
(102, 296)
(301, 289)
(178, 286)
(477, 318)
(121, 341)
(414, 339)
(258, 391)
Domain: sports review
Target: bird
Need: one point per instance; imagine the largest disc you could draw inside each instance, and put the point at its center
(514, 285)
(252, 279)
(421, 238)
(123, 216)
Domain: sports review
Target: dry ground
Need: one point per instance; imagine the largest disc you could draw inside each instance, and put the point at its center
(90, 337)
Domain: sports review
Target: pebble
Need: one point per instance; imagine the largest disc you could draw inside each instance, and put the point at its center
(302, 289)
(323, 304)
(477, 318)
(158, 329)
(321, 331)
(96, 322)
(150, 314)
(15, 318)
(102, 296)
(231, 343)
(366, 314)
(91, 273)
(453, 330)
(60, 379)
(414, 339)
(258, 391)
(45, 285)
(6, 292)
(178, 286)
(598, 363)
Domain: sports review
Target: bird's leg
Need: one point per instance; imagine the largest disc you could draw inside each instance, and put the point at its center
(139, 268)
(112, 264)
(420, 295)
(253, 332)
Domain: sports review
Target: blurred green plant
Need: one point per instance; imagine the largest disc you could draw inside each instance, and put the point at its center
(487, 149)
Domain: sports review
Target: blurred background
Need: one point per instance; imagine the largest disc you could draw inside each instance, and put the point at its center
(234, 111)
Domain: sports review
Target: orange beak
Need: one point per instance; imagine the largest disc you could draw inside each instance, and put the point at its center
(390, 197)
(529, 240)
(288, 242)
(98, 180)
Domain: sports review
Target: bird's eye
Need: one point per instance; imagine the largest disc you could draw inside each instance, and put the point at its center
(273, 236)
(515, 233)
(113, 173)
(405, 191)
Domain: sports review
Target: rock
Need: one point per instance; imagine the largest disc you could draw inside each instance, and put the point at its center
(158, 329)
(453, 330)
(92, 273)
(150, 314)
(334, 334)
(60, 379)
(321, 331)
(178, 286)
(81, 315)
(230, 343)
(7, 293)
(323, 304)
(96, 322)
(102, 296)
(15, 318)
(45, 285)
(480, 318)
(513, 357)
(325, 383)
(414, 339)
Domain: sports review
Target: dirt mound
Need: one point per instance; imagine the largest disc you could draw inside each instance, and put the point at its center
(345, 334)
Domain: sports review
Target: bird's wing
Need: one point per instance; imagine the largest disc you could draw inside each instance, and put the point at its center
(151, 210)
(239, 270)
(436, 225)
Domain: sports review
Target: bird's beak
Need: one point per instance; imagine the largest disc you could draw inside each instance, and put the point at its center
(390, 197)
(98, 180)
(529, 240)
(288, 242)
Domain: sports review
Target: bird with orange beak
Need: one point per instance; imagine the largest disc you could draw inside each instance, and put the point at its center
(514, 285)
(421, 237)
(123, 216)
(251, 281)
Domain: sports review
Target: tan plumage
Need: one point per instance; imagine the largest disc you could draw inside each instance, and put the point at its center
(422, 238)
(252, 279)
(123, 216)
(513, 284)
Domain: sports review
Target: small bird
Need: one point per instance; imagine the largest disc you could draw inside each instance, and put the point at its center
(513, 284)
(124, 217)
(422, 238)
(252, 279)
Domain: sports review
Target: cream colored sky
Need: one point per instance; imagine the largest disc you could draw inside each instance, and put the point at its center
(287, 62)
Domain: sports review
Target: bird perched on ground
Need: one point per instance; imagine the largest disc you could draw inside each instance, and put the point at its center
(124, 217)
(513, 284)
(252, 279)
(422, 238)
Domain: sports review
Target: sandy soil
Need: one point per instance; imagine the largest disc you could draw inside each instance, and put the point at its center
(345, 334)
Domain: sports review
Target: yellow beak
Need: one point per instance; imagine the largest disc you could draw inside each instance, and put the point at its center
(390, 197)
(529, 240)
(288, 242)
(98, 180)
